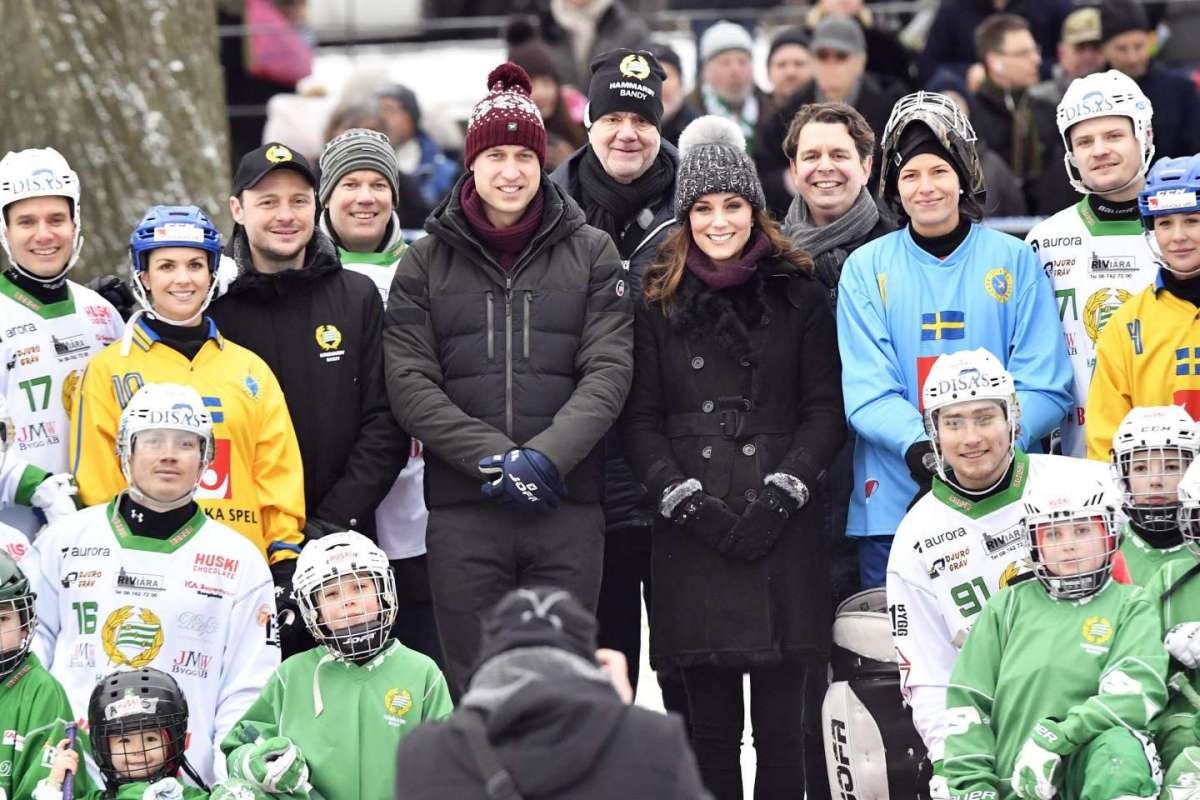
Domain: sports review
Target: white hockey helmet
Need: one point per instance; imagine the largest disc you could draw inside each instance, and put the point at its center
(963, 377)
(1105, 94)
(1053, 510)
(952, 129)
(1189, 507)
(1156, 443)
(323, 565)
(39, 173)
(164, 406)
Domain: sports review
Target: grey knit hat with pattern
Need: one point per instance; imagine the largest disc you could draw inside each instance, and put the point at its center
(357, 148)
(713, 160)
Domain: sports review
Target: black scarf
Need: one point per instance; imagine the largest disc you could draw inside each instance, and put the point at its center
(610, 205)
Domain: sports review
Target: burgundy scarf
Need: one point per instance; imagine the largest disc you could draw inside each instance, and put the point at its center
(505, 243)
(733, 274)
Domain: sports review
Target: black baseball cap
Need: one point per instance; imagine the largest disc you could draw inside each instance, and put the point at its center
(257, 164)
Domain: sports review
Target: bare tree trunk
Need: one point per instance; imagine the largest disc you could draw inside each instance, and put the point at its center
(130, 91)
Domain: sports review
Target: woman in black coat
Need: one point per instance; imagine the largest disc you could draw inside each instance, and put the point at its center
(734, 414)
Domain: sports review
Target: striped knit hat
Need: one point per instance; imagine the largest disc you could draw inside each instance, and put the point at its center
(506, 116)
(357, 148)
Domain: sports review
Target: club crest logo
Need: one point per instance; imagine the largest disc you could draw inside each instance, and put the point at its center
(635, 66)
(998, 283)
(132, 636)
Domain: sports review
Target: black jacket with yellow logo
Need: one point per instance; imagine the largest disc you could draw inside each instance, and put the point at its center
(319, 328)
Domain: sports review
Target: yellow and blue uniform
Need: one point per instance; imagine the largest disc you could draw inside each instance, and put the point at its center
(255, 483)
(1147, 355)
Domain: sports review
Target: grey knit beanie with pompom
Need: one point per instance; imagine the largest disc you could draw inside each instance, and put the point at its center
(713, 160)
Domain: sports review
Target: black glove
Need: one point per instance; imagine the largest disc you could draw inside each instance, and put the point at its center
(287, 610)
(316, 528)
(706, 517)
(761, 523)
(115, 291)
(922, 464)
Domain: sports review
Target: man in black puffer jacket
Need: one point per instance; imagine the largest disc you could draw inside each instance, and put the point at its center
(543, 717)
(509, 352)
(319, 328)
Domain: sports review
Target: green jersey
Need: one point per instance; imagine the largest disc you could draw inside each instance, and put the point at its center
(347, 719)
(137, 791)
(1092, 665)
(1144, 561)
(34, 713)
(1173, 728)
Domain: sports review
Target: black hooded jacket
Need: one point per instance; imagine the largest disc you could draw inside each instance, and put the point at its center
(319, 328)
(569, 738)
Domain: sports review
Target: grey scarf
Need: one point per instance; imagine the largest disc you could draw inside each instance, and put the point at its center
(831, 244)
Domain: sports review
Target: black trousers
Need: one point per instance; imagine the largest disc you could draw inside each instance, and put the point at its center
(619, 613)
(478, 553)
(415, 626)
(786, 753)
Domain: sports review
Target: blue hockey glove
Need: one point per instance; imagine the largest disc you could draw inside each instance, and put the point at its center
(524, 477)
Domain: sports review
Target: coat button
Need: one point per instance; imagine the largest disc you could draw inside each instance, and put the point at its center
(706, 451)
(697, 362)
(751, 495)
(748, 449)
(745, 362)
(707, 406)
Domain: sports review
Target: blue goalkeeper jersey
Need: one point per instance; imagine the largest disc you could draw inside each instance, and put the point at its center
(899, 308)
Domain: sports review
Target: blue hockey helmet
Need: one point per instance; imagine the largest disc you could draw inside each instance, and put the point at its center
(1172, 187)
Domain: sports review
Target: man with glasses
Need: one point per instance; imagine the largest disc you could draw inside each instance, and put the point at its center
(1013, 123)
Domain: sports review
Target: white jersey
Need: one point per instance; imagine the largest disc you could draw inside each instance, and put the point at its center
(1094, 266)
(401, 517)
(949, 556)
(43, 351)
(199, 605)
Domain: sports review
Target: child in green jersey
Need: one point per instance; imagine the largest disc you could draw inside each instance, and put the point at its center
(34, 711)
(1057, 682)
(346, 703)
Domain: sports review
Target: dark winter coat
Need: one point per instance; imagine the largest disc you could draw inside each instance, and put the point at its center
(1176, 111)
(559, 740)
(624, 503)
(480, 360)
(617, 27)
(876, 96)
(950, 43)
(728, 410)
(319, 328)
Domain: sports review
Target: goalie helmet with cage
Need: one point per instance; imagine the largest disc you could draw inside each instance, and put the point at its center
(18, 616)
(964, 377)
(1151, 449)
(1105, 94)
(1073, 535)
(347, 594)
(164, 407)
(142, 701)
(951, 128)
(39, 172)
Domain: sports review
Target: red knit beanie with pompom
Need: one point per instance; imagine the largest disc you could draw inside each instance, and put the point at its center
(506, 116)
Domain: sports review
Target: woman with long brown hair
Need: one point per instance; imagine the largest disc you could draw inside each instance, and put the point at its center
(734, 412)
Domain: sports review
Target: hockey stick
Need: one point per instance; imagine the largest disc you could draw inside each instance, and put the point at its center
(69, 779)
(1180, 683)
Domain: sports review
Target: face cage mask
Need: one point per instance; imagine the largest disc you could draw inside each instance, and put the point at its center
(948, 124)
(26, 611)
(172, 727)
(1189, 525)
(931, 429)
(1083, 584)
(1149, 517)
(161, 506)
(357, 642)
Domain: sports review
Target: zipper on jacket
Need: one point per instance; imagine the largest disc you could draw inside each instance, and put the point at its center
(508, 357)
(491, 326)
(528, 300)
